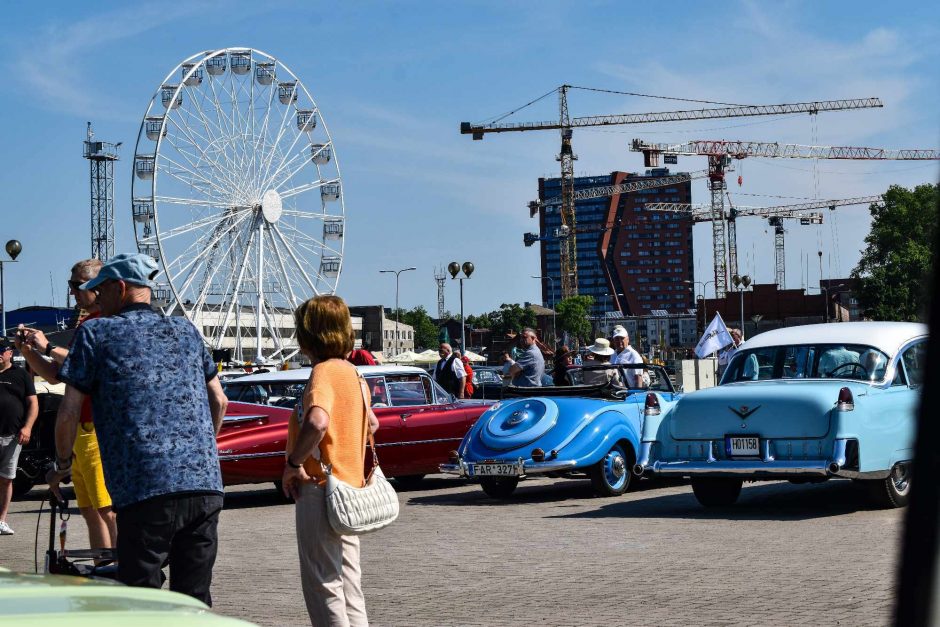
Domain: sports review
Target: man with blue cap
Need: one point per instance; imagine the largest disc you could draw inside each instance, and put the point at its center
(158, 405)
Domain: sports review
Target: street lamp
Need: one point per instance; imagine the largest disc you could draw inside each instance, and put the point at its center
(13, 249)
(826, 296)
(454, 268)
(554, 305)
(739, 282)
(704, 285)
(397, 274)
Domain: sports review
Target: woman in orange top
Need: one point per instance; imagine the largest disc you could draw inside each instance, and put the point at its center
(329, 429)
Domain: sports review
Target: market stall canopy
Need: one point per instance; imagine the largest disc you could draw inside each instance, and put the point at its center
(406, 357)
(474, 357)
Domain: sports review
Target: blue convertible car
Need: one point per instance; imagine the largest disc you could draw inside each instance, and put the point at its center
(806, 403)
(588, 428)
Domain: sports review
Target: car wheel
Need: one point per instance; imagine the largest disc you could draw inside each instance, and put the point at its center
(611, 476)
(892, 492)
(716, 492)
(409, 482)
(499, 487)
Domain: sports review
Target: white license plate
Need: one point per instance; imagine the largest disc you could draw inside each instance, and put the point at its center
(743, 446)
(487, 470)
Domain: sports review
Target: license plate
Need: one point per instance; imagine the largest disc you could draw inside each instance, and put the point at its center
(743, 446)
(489, 470)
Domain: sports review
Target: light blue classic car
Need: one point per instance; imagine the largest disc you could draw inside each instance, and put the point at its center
(588, 429)
(806, 403)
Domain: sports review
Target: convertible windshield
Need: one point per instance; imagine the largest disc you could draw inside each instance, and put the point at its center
(810, 361)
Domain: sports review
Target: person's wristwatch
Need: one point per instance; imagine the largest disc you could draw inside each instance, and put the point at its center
(49, 348)
(291, 463)
(62, 465)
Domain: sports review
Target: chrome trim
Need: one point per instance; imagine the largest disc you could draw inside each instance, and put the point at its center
(529, 468)
(237, 419)
(871, 474)
(235, 458)
(838, 456)
(418, 442)
(643, 460)
(807, 468)
(766, 455)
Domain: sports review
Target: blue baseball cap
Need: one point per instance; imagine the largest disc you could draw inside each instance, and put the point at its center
(135, 268)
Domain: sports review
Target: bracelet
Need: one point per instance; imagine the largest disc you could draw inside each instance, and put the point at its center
(59, 467)
(292, 464)
(49, 348)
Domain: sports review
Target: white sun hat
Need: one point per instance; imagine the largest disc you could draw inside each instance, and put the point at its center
(619, 331)
(601, 347)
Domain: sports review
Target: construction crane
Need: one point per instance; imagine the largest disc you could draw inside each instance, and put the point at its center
(622, 188)
(565, 124)
(775, 215)
(721, 152)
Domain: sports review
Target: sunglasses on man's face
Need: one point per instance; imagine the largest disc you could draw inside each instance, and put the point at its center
(75, 284)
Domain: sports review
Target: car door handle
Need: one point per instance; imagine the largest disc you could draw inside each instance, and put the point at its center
(404, 416)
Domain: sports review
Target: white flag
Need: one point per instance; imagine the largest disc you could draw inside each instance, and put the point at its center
(715, 338)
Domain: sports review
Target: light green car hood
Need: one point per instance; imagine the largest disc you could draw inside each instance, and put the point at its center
(27, 599)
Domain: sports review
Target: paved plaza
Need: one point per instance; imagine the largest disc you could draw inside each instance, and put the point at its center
(555, 555)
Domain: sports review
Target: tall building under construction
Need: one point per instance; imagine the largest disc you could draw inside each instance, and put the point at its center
(631, 261)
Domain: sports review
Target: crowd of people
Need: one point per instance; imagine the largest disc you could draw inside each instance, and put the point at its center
(135, 431)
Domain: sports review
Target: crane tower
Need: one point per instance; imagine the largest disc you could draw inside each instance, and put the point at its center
(440, 278)
(101, 157)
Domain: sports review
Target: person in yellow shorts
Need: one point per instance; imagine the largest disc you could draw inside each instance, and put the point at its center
(91, 493)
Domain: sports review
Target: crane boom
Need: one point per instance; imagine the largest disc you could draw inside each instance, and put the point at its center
(702, 213)
(622, 188)
(742, 149)
(478, 130)
(775, 215)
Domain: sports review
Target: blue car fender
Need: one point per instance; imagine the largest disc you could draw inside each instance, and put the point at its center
(594, 441)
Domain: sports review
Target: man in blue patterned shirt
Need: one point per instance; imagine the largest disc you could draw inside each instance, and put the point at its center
(158, 405)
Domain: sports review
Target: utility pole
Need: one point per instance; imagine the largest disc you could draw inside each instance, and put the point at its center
(440, 278)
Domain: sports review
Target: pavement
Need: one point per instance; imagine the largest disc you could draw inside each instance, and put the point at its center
(556, 555)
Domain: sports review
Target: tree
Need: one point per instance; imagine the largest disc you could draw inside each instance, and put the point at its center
(512, 317)
(425, 330)
(895, 265)
(572, 315)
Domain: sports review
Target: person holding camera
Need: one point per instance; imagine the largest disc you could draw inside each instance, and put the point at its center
(45, 358)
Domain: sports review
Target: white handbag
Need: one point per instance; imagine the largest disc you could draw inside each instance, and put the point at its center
(355, 511)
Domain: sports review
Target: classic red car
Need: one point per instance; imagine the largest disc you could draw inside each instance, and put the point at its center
(419, 422)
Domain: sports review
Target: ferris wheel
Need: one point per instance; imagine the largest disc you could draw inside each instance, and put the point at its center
(237, 194)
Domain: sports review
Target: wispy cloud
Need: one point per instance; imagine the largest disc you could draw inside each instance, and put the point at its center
(56, 65)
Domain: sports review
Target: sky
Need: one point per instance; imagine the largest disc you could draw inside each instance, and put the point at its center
(393, 81)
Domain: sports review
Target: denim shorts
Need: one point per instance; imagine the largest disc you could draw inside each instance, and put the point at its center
(9, 455)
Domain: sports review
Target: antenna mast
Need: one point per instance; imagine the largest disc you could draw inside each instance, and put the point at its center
(440, 277)
(101, 157)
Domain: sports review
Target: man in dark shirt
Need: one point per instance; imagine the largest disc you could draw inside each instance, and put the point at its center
(19, 408)
(158, 405)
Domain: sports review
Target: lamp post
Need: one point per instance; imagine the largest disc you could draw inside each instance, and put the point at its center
(554, 304)
(826, 297)
(741, 282)
(397, 274)
(704, 285)
(13, 249)
(454, 268)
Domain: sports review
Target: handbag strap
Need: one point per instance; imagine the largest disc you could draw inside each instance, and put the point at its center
(370, 438)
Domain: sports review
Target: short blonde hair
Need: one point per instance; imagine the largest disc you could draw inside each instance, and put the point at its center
(87, 268)
(324, 327)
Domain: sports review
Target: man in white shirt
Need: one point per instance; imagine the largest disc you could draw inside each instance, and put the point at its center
(449, 372)
(626, 354)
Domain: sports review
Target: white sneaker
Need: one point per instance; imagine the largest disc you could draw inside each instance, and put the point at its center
(5, 529)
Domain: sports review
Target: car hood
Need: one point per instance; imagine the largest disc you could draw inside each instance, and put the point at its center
(770, 409)
(27, 599)
(517, 423)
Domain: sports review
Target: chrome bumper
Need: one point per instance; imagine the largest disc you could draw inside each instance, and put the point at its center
(461, 468)
(765, 466)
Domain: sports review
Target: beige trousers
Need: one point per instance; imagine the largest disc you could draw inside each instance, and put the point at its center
(329, 565)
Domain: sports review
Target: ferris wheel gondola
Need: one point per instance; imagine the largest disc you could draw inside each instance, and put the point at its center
(237, 194)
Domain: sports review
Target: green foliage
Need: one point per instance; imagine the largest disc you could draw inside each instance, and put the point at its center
(896, 263)
(511, 317)
(573, 316)
(425, 330)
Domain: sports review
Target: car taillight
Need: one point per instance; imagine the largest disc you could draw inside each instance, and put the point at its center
(652, 405)
(845, 402)
(453, 457)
